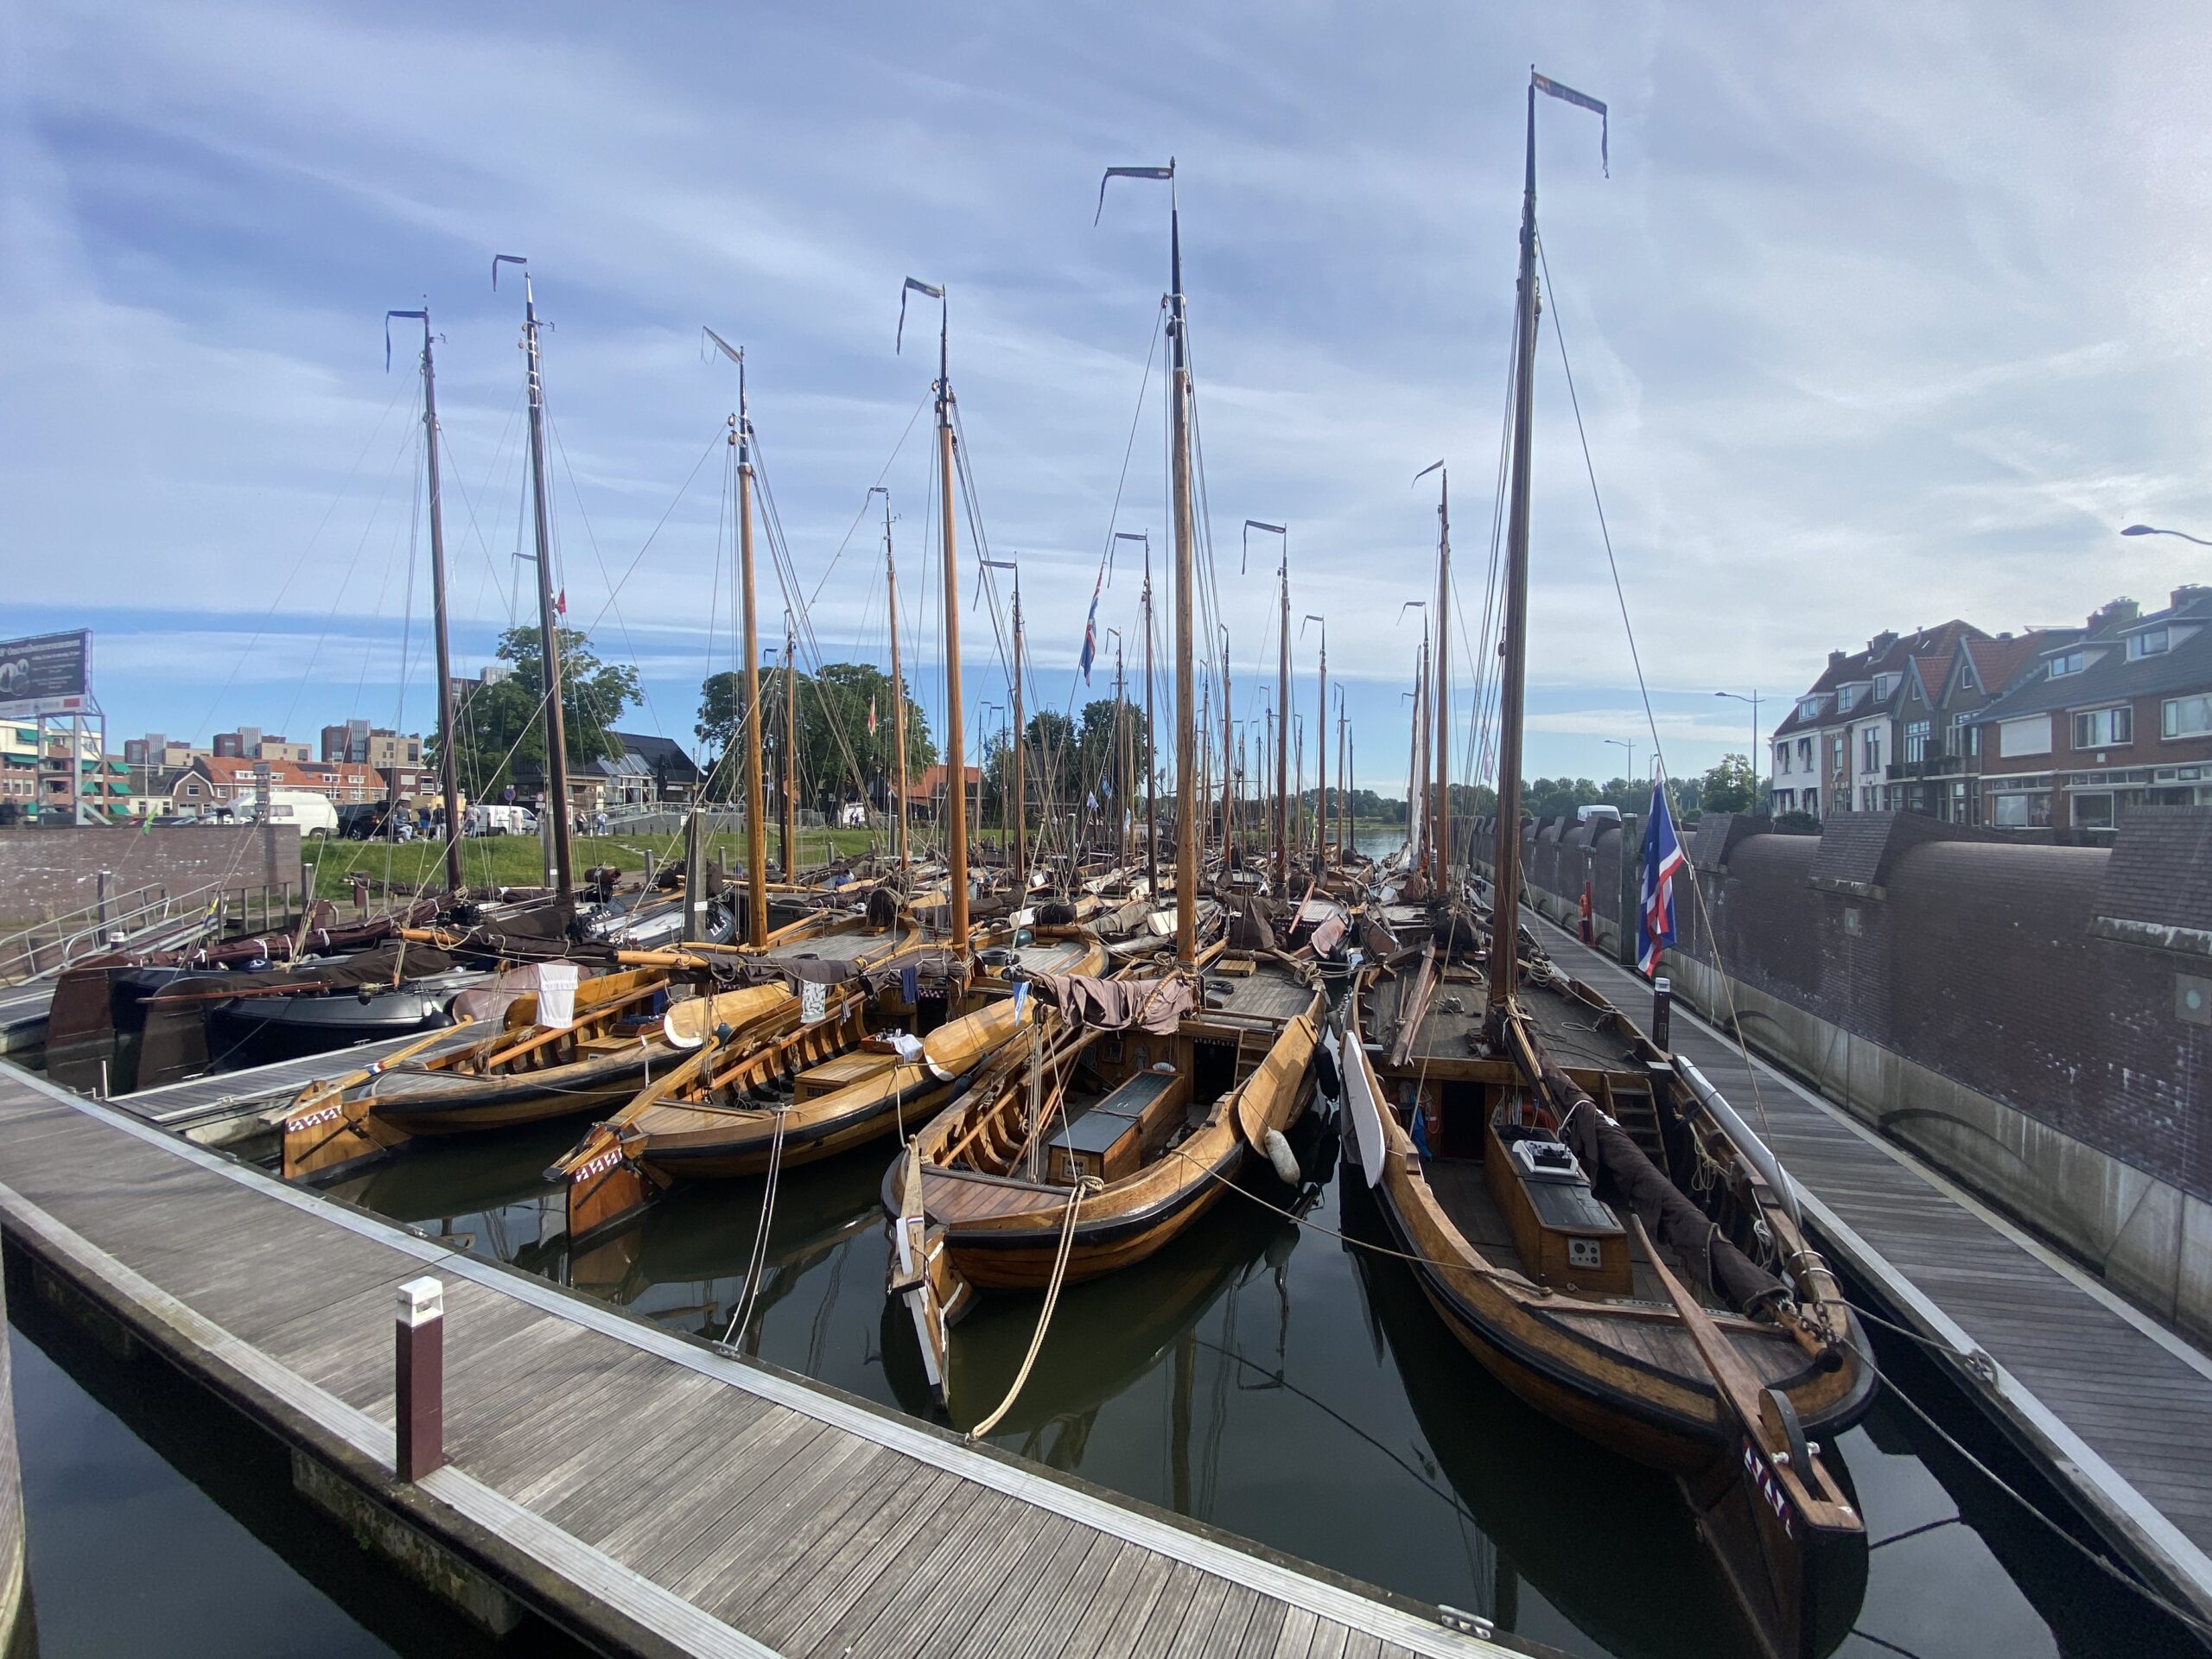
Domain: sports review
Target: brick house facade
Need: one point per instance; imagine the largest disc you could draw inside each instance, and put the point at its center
(2117, 715)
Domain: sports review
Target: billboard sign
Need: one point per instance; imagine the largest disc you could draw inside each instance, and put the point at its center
(46, 674)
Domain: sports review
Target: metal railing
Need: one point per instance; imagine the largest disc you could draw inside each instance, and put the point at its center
(54, 942)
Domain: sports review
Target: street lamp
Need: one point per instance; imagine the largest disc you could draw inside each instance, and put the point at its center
(1629, 745)
(1753, 757)
(2149, 530)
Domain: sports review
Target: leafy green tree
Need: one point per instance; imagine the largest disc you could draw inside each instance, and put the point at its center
(1731, 786)
(837, 756)
(501, 729)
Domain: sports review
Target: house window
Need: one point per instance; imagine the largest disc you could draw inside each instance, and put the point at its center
(1884, 684)
(1844, 699)
(2031, 736)
(2187, 717)
(1812, 802)
(2102, 729)
(1915, 742)
(1966, 738)
(1804, 754)
(2148, 644)
(2020, 811)
(1835, 753)
(1808, 708)
(1866, 797)
(2070, 664)
(1870, 751)
(2092, 811)
(1782, 757)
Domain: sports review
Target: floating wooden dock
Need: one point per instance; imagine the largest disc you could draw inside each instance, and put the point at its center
(189, 1105)
(647, 1493)
(2105, 1399)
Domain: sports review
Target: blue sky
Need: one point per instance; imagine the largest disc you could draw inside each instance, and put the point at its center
(1881, 318)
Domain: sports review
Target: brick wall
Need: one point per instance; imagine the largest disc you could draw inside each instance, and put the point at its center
(2018, 970)
(60, 866)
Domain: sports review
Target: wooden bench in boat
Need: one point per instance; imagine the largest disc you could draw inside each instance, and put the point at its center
(842, 1073)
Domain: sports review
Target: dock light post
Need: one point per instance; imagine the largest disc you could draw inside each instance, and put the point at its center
(2151, 530)
(420, 1405)
(1753, 757)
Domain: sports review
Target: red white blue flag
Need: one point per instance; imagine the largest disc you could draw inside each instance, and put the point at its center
(1089, 638)
(1663, 857)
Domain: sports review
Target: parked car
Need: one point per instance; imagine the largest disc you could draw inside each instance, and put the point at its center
(364, 820)
(496, 818)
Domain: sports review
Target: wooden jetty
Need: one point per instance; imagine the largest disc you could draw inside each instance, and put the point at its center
(2106, 1401)
(650, 1493)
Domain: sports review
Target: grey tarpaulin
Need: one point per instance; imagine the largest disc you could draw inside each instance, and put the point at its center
(1153, 1005)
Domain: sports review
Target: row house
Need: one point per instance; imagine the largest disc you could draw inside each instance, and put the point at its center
(226, 780)
(2115, 714)
(1834, 751)
(1937, 756)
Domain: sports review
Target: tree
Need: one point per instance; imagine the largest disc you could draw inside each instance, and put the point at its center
(501, 729)
(1731, 786)
(834, 742)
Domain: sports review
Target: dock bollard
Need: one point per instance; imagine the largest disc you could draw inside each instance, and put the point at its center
(1662, 997)
(420, 1350)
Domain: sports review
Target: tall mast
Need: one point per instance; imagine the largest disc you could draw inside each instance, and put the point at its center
(449, 781)
(956, 756)
(1321, 752)
(1505, 927)
(1344, 776)
(787, 832)
(898, 681)
(1228, 772)
(1282, 731)
(1151, 755)
(1120, 759)
(1443, 700)
(560, 874)
(1178, 447)
(756, 830)
(1021, 803)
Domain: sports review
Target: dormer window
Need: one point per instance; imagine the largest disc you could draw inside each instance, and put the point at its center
(2071, 663)
(1884, 684)
(1844, 699)
(1808, 708)
(2148, 642)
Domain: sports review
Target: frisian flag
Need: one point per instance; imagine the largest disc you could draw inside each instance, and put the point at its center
(1089, 638)
(1663, 857)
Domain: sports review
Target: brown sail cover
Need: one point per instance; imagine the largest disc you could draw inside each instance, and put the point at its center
(1153, 1005)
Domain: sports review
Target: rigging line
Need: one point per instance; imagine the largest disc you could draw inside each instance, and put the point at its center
(854, 528)
(208, 721)
(1659, 769)
(469, 502)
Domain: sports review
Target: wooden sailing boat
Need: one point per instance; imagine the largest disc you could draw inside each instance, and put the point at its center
(1093, 1144)
(1526, 1142)
(796, 1085)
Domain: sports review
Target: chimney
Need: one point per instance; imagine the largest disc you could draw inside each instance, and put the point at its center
(2005, 636)
(2190, 593)
(1880, 643)
(2118, 615)
(1836, 660)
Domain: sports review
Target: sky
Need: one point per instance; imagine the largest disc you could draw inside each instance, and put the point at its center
(1884, 314)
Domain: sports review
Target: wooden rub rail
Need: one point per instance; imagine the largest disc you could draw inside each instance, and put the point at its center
(647, 1493)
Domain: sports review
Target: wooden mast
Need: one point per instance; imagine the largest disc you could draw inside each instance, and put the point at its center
(1151, 755)
(1120, 759)
(787, 832)
(898, 685)
(1505, 929)
(560, 874)
(1179, 449)
(1020, 805)
(1283, 731)
(1442, 702)
(449, 779)
(756, 827)
(956, 754)
(1321, 752)
(1228, 765)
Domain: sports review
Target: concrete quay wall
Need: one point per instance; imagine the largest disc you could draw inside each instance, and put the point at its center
(2034, 1021)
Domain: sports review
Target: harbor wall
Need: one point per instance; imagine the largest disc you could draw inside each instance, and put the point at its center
(54, 870)
(2034, 1021)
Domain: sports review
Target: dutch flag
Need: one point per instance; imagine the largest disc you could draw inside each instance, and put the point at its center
(1662, 856)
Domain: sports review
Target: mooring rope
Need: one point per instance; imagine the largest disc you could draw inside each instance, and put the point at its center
(760, 1239)
(1088, 1184)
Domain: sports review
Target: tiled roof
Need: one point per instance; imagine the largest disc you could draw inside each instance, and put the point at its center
(2113, 678)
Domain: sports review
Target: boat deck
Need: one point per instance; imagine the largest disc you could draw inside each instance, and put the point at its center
(1450, 1027)
(1269, 993)
(227, 1093)
(850, 945)
(2109, 1402)
(652, 1493)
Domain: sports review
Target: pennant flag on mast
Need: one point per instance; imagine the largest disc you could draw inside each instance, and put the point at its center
(1663, 857)
(1583, 100)
(871, 715)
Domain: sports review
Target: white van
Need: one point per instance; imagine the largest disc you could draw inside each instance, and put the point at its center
(497, 818)
(312, 813)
